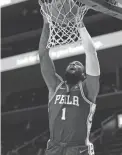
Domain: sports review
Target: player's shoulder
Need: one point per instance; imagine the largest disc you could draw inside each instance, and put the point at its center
(91, 82)
(84, 86)
(52, 92)
(91, 87)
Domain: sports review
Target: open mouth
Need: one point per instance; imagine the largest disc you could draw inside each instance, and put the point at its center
(72, 69)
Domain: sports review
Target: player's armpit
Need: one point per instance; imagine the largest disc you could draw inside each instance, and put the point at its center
(92, 87)
(51, 78)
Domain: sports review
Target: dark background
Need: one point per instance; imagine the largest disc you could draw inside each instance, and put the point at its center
(24, 93)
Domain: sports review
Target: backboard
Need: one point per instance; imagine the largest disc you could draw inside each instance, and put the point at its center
(110, 7)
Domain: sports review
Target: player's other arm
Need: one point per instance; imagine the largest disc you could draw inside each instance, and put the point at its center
(92, 65)
(47, 67)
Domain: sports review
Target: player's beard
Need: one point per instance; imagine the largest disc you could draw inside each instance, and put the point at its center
(73, 78)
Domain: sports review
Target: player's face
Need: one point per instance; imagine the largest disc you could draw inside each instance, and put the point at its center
(74, 72)
(75, 67)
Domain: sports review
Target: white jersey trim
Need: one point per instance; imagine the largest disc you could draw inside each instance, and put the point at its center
(59, 77)
(89, 125)
(89, 121)
(83, 95)
(57, 88)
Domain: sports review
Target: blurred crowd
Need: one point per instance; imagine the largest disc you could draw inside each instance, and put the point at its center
(25, 99)
(39, 96)
(23, 138)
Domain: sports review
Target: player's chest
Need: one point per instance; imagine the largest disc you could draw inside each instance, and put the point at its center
(71, 98)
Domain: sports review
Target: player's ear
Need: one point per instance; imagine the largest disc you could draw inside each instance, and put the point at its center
(84, 75)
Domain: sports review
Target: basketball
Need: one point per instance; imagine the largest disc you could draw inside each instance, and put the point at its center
(62, 11)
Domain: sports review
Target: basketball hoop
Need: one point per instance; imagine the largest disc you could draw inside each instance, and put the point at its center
(63, 26)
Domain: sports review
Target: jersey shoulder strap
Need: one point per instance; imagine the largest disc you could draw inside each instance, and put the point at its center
(54, 93)
(82, 87)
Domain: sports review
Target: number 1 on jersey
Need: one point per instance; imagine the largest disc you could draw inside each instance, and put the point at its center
(63, 114)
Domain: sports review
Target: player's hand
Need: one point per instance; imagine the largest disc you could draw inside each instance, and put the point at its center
(44, 11)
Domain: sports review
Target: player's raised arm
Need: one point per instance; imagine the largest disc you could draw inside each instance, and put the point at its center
(47, 66)
(92, 65)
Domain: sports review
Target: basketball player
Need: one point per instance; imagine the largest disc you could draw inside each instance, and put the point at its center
(71, 102)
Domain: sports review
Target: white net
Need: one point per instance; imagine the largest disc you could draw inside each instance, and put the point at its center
(63, 26)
